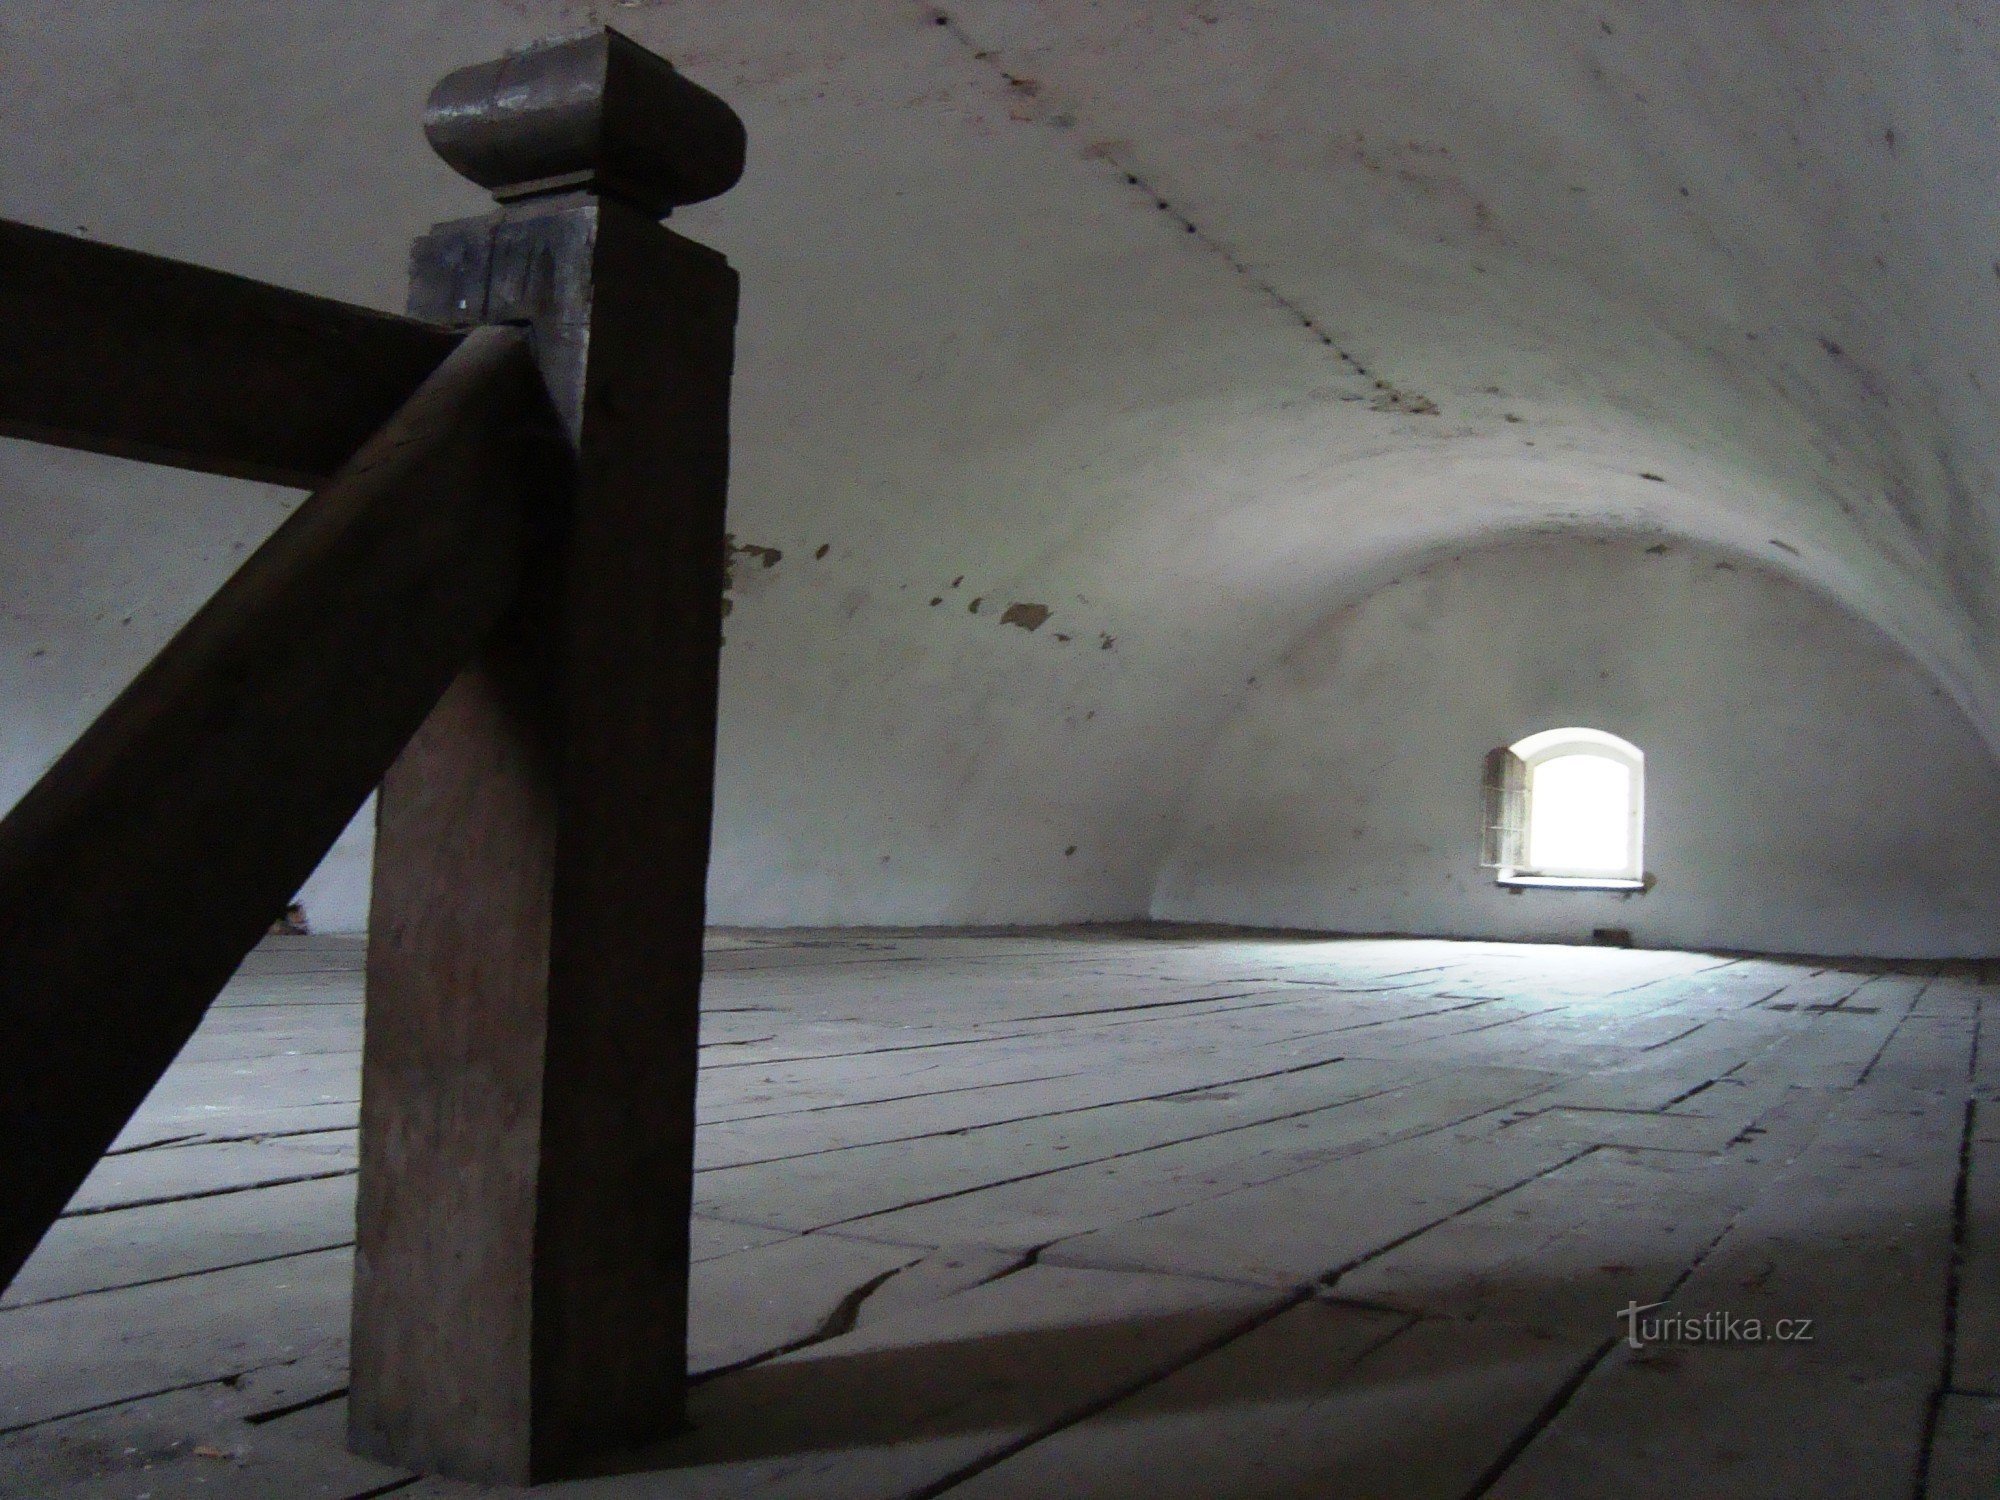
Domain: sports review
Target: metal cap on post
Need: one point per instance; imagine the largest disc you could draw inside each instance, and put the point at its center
(593, 110)
(534, 965)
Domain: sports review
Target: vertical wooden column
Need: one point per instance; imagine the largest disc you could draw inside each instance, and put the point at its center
(534, 967)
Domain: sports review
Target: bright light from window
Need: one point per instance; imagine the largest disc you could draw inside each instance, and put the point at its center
(1566, 807)
(1579, 814)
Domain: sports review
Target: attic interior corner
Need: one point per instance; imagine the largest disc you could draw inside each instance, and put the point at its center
(1271, 770)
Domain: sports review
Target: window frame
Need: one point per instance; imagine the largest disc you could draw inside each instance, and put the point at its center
(1509, 787)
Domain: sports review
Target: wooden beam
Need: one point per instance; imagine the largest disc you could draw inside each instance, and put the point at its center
(140, 870)
(117, 352)
(534, 964)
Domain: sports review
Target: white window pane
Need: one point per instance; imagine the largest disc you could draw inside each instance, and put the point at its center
(1579, 814)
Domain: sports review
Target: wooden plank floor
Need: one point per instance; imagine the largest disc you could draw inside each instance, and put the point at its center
(1145, 1212)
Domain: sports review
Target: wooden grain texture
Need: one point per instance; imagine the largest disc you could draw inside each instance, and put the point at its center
(119, 352)
(186, 816)
(541, 860)
(1467, 1268)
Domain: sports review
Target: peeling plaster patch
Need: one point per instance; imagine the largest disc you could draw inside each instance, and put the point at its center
(1027, 616)
(733, 549)
(1061, 637)
(1106, 642)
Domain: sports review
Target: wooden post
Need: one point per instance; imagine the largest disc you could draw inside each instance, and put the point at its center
(534, 967)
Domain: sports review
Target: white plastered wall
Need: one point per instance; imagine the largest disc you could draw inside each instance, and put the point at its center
(1807, 789)
(1187, 321)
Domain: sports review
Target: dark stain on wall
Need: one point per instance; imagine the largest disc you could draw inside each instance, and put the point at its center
(732, 549)
(1027, 616)
(1404, 401)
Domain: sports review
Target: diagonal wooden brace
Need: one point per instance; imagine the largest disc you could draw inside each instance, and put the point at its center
(188, 814)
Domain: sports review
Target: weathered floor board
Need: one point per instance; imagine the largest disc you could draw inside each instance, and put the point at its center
(1148, 1212)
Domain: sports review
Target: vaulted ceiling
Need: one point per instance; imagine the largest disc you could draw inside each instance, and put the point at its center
(1181, 325)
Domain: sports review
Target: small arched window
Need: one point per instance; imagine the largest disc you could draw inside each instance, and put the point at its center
(1567, 807)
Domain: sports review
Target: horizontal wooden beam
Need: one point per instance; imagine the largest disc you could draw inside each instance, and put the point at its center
(118, 352)
(139, 871)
